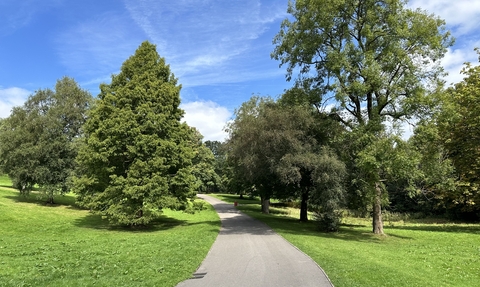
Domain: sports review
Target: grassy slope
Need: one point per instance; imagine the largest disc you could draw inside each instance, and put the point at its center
(64, 246)
(412, 254)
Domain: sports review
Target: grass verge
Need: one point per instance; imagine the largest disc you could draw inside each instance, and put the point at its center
(61, 245)
(412, 253)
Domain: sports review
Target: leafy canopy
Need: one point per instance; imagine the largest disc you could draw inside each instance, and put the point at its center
(373, 58)
(38, 140)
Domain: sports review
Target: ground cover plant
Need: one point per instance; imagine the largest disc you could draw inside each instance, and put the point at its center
(413, 252)
(62, 245)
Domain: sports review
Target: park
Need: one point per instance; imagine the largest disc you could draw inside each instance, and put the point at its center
(315, 187)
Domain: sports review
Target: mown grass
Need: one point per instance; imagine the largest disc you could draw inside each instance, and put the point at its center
(62, 245)
(411, 254)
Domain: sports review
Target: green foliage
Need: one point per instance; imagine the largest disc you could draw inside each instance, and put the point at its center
(136, 158)
(222, 169)
(437, 181)
(277, 149)
(328, 196)
(376, 60)
(204, 165)
(38, 140)
(459, 127)
(249, 149)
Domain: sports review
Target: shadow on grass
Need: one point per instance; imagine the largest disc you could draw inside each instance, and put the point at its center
(293, 226)
(440, 228)
(38, 199)
(95, 221)
(288, 225)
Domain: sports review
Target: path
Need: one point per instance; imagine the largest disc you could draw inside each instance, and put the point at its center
(249, 253)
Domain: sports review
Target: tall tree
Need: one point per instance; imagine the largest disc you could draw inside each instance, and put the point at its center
(249, 152)
(137, 155)
(374, 59)
(277, 149)
(38, 140)
(459, 125)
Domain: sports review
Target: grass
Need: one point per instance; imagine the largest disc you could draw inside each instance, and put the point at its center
(62, 245)
(413, 253)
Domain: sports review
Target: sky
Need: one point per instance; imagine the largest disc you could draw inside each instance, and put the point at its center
(219, 50)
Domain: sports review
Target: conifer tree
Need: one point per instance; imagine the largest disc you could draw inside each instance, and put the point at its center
(136, 158)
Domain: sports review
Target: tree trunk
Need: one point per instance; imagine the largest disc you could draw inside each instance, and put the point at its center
(265, 204)
(50, 199)
(304, 207)
(377, 211)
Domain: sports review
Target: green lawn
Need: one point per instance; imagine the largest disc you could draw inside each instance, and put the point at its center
(62, 245)
(412, 253)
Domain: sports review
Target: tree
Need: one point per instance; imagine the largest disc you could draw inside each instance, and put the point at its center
(38, 140)
(376, 60)
(437, 183)
(222, 169)
(328, 196)
(136, 158)
(203, 164)
(277, 149)
(249, 150)
(459, 127)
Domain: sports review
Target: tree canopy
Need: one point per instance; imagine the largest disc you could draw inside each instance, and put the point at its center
(136, 158)
(278, 150)
(38, 140)
(459, 127)
(372, 60)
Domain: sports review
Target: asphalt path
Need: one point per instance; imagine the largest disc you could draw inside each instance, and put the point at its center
(249, 253)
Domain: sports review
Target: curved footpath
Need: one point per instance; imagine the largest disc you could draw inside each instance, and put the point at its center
(249, 253)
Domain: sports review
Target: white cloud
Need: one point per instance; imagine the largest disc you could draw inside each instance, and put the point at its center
(454, 61)
(208, 117)
(11, 97)
(460, 15)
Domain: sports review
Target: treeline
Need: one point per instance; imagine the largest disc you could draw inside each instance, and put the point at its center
(126, 154)
(332, 142)
(361, 69)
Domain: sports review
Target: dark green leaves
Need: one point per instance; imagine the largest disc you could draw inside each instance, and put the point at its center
(137, 156)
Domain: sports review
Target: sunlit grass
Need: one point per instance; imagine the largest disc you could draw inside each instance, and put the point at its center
(61, 245)
(411, 254)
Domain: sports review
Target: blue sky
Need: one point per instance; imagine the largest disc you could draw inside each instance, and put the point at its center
(219, 50)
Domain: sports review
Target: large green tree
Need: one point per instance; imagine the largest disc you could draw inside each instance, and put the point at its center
(249, 152)
(277, 149)
(374, 60)
(136, 158)
(459, 127)
(38, 140)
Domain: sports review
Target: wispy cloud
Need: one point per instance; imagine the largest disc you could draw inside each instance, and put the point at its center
(16, 14)
(208, 117)
(97, 48)
(11, 97)
(206, 37)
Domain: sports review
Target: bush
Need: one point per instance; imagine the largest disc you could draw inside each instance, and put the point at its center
(328, 221)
